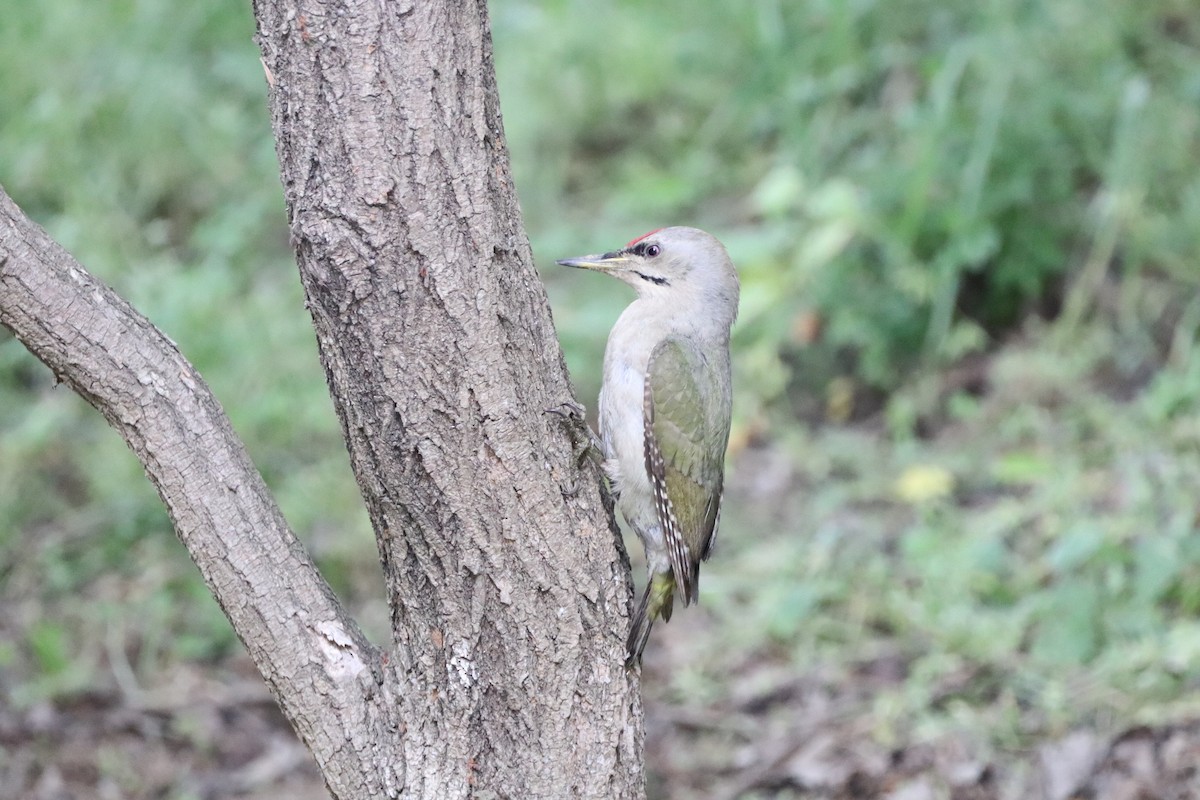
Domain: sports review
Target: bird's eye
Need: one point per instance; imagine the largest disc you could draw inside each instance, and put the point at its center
(653, 250)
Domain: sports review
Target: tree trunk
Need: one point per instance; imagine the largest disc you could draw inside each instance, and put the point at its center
(508, 603)
(507, 583)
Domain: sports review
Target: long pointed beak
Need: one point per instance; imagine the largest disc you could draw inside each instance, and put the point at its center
(607, 262)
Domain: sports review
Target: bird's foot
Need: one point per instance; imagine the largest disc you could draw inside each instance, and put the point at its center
(585, 443)
(585, 446)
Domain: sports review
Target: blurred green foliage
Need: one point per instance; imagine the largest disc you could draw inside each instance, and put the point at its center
(903, 185)
(1051, 582)
(137, 134)
(918, 174)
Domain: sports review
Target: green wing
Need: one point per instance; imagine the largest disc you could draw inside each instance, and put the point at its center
(687, 404)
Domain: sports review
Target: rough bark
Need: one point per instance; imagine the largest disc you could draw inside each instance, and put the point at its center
(509, 604)
(507, 583)
(321, 670)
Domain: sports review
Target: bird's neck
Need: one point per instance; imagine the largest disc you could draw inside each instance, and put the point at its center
(659, 315)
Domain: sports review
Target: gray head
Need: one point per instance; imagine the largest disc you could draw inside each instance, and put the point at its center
(683, 267)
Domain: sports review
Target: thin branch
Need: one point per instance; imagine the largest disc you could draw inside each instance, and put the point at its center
(324, 674)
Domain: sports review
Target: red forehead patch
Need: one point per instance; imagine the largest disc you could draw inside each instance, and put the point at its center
(643, 236)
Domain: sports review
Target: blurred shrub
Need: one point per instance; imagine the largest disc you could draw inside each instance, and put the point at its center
(899, 181)
(1040, 556)
(137, 133)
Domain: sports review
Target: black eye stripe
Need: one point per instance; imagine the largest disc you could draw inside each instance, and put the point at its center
(655, 279)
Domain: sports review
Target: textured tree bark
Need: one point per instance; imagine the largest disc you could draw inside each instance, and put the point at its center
(325, 676)
(507, 582)
(509, 603)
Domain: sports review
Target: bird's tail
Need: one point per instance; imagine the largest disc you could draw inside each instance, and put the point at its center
(657, 601)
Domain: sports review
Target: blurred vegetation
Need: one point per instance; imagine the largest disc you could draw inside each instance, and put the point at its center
(1034, 567)
(914, 191)
(913, 178)
(142, 143)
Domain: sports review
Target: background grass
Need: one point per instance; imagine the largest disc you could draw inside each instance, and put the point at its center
(967, 403)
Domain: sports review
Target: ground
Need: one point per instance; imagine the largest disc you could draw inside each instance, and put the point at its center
(791, 735)
(212, 732)
(887, 616)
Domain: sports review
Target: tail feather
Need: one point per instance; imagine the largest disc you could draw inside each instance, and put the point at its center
(657, 601)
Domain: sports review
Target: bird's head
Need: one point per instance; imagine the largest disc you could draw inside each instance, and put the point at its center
(683, 266)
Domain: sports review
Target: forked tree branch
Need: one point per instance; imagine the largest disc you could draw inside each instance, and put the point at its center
(506, 580)
(322, 671)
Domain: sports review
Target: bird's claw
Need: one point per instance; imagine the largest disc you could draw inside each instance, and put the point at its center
(585, 445)
(569, 410)
(584, 442)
